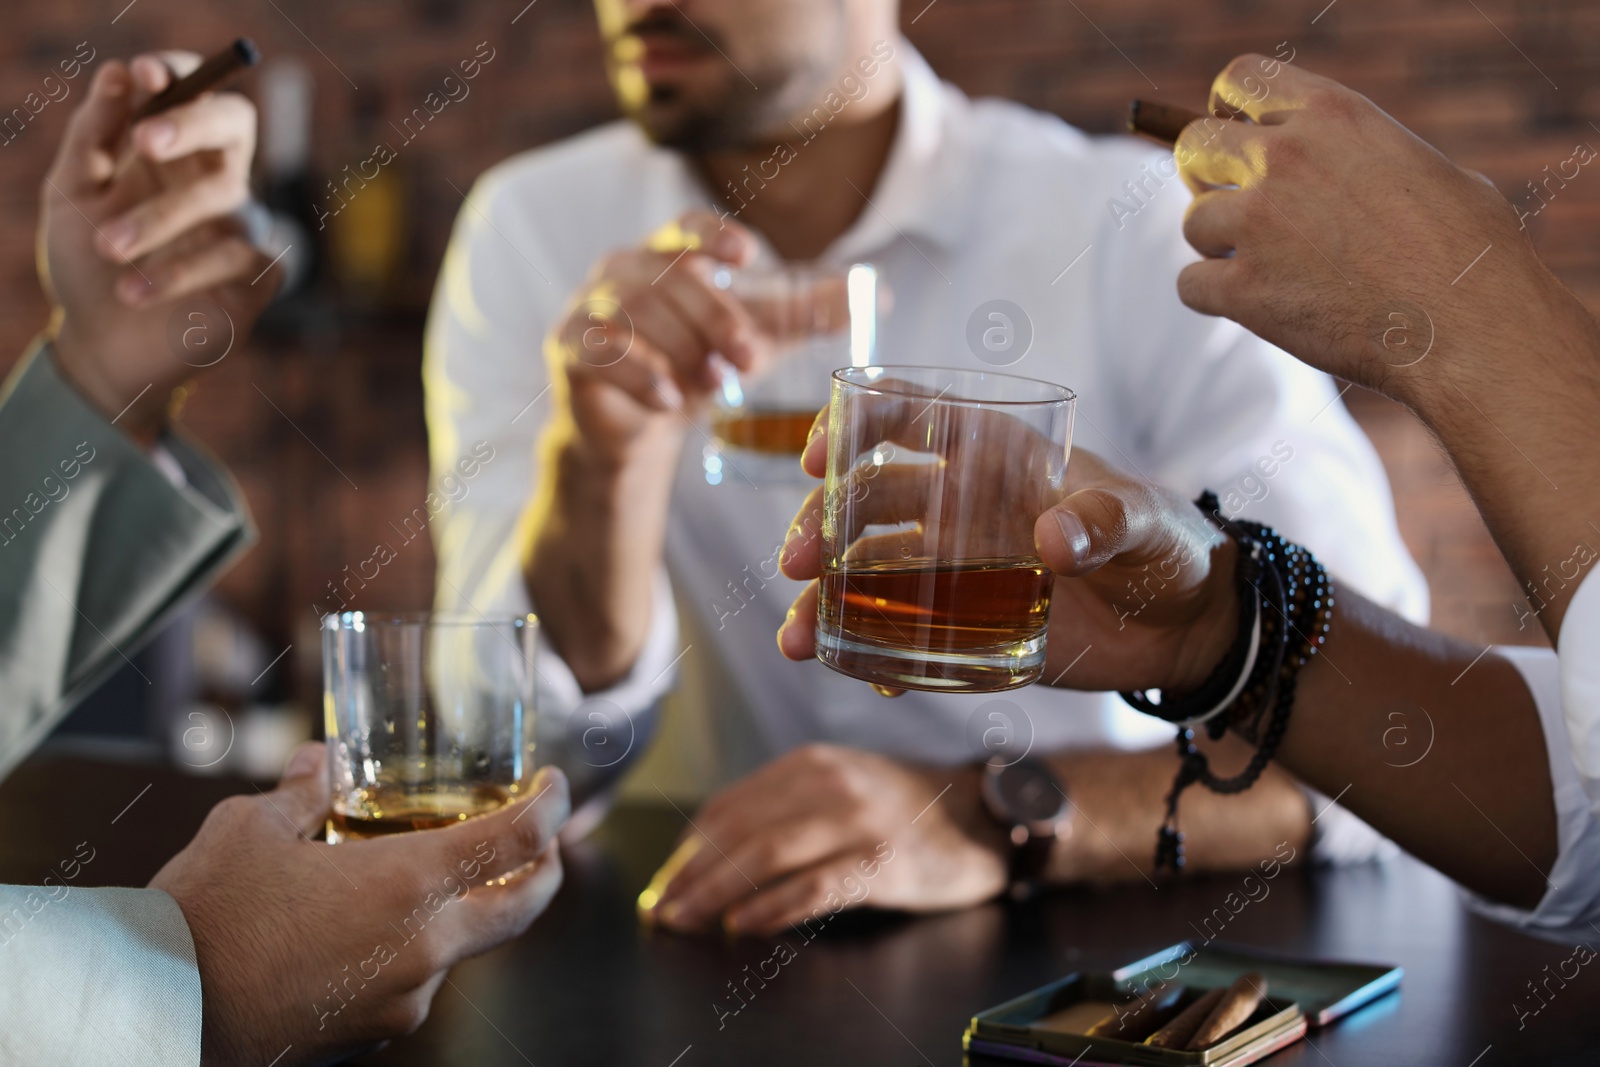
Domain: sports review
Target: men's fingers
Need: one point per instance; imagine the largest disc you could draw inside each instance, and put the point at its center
(1093, 526)
(1243, 88)
(155, 71)
(797, 637)
(643, 371)
(169, 275)
(797, 898)
(704, 231)
(719, 322)
(492, 915)
(513, 837)
(302, 794)
(166, 216)
(1212, 222)
(223, 122)
(87, 157)
(801, 555)
(814, 458)
(776, 852)
(1206, 286)
(1213, 152)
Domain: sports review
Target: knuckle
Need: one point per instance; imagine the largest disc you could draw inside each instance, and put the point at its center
(1281, 153)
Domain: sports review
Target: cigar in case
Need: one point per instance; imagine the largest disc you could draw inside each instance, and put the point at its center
(1159, 122)
(1140, 1018)
(208, 75)
(1177, 1033)
(1240, 1002)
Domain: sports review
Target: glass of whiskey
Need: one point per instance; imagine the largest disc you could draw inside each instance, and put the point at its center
(811, 319)
(935, 477)
(429, 718)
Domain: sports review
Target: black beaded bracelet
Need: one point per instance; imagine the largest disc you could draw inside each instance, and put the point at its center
(1293, 606)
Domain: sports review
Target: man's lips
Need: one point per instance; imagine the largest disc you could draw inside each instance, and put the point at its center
(660, 55)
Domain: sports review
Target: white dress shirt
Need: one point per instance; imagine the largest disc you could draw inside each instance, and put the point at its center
(1566, 688)
(979, 200)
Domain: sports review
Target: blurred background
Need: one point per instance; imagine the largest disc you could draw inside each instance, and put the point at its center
(320, 414)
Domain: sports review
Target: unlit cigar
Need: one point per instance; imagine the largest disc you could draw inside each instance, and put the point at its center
(1160, 122)
(208, 75)
(1240, 1002)
(1177, 1033)
(1140, 1019)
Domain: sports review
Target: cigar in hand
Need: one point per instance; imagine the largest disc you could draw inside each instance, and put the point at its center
(1159, 122)
(208, 75)
(1138, 1020)
(1238, 1003)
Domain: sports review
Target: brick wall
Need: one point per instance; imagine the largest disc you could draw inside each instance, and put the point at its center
(338, 453)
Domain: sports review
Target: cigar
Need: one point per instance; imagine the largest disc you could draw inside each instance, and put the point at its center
(1177, 1033)
(1159, 122)
(1141, 1018)
(1239, 1003)
(208, 75)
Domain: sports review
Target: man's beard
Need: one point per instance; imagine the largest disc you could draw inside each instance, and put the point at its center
(736, 114)
(736, 117)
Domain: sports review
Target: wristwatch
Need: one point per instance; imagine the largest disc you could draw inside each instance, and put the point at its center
(1031, 804)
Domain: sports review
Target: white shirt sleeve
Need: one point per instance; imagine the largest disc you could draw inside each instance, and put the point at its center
(97, 976)
(1579, 647)
(1570, 909)
(488, 401)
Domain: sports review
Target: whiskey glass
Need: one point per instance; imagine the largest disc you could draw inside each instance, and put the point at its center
(935, 477)
(430, 718)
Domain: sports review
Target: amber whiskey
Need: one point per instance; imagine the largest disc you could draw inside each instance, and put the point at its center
(973, 626)
(378, 811)
(779, 433)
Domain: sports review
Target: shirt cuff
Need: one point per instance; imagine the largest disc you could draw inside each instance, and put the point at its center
(652, 673)
(1571, 904)
(97, 976)
(1579, 648)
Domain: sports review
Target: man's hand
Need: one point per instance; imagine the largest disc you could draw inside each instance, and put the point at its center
(1141, 575)
(335, 948)
(1335, 233)
(136, 219)
(635, 348)
(824, 828)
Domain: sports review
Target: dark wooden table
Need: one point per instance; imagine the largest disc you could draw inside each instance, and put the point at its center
(588, 986)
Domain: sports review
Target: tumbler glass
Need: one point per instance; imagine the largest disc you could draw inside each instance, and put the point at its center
(935, 477)
(816, 318)
(429, 718)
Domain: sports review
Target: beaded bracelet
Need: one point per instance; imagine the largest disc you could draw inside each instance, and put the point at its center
(1293, 605)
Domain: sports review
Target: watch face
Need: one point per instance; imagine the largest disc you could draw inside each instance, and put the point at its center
(1028, 793)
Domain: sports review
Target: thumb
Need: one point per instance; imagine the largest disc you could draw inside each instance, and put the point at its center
(1124, 519)
(87, 157)
(302, 793)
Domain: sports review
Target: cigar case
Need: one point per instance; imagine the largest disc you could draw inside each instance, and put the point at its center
(1302, 995)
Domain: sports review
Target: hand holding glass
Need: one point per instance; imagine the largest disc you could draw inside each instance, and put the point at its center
(930, 579)
(430, 718)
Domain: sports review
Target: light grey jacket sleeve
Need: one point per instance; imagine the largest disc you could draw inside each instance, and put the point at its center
(96, 976)
(97, 547)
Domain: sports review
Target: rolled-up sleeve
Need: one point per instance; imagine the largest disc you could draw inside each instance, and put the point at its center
(97, 976)
(1570, 908)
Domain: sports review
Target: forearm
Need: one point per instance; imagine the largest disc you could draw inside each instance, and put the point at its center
(594, 546)
(1518, 409)
(1120, 802)
(1435, 747)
